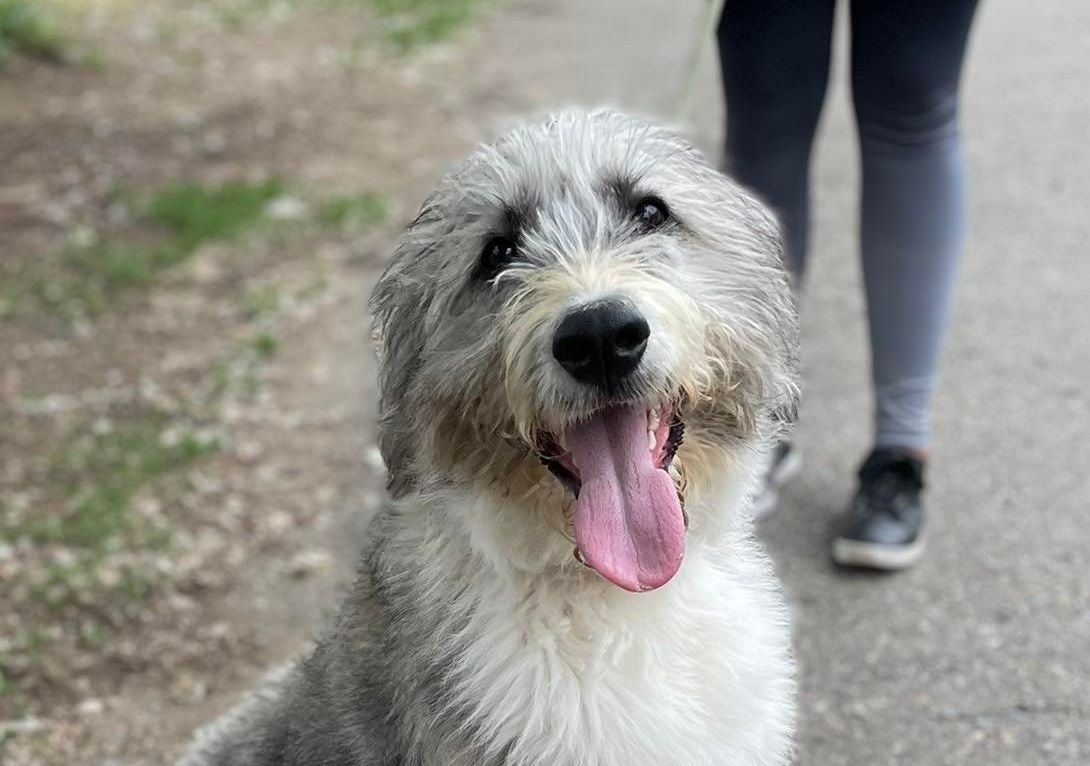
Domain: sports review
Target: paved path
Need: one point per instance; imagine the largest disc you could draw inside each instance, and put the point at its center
(982, 654)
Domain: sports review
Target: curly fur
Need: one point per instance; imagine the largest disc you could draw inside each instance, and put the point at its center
(472, 635)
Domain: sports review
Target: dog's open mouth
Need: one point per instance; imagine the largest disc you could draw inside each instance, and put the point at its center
(629, 523)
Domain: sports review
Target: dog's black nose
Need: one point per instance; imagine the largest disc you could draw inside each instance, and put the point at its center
(601, 343)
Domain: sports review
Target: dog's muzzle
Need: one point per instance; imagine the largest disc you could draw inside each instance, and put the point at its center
(628, 521)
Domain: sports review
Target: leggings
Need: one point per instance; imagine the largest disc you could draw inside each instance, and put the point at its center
(906, 60)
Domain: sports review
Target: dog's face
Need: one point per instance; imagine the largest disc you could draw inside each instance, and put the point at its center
(587, 316)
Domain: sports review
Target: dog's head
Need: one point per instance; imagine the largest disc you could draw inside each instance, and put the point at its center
(587, 317)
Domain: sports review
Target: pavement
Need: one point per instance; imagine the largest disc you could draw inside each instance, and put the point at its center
(981, 654)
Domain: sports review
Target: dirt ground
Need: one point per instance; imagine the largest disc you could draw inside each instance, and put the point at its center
(116, 643)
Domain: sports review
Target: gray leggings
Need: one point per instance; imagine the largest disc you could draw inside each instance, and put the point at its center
(906, 60)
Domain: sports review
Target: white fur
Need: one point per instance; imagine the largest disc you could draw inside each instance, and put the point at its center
(577, 671)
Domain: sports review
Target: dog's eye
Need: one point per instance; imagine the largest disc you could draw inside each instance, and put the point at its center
(497, 255)
(651, 213)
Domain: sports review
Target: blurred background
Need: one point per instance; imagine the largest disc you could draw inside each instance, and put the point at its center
(195, 196)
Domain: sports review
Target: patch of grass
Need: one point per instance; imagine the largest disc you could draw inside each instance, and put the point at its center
(265, 345)
(195, 214)
(180, 219)
(62, 582)
(25, 29)
(312, 289)
(135, 586)
(94, 59)
(13, 700)
(261, 301)
(26, 647)
(234, 15)
(102, 473)
(411, 24)
(7, 686)
(166, 32)
(120, 266)
(356, 211)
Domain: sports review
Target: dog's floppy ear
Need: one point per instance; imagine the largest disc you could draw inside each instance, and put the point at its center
(398, 349)
(398, 302)
(770, 358)
(781, 388)
(782, 385)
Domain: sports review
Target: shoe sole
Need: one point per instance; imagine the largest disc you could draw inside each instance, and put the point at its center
(786, 470)
(888, 558)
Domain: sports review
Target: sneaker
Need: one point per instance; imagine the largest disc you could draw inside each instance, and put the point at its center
(884, 527)
(784, 463)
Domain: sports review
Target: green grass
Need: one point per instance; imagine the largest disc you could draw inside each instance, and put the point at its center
(412, 24)
(195, 214)
(24, 29)
(407, 24)
(97, 476)
(177, 221)
(101, 474)
(7, 685)
(261, 301)
(265, 345)
(355, 211)
(27, 645)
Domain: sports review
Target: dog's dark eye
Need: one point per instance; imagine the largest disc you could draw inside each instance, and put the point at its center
(651, 212)
(497, 255)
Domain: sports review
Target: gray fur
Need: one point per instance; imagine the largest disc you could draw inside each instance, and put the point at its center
(377, 689)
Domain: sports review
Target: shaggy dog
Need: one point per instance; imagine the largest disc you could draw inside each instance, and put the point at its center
(587, 345)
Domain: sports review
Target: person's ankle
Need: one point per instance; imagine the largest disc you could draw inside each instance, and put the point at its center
(916, 453)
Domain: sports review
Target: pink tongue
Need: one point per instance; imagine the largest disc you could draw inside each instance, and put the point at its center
(628, 519)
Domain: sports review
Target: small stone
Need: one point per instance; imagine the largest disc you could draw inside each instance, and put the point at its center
(309, 562)
(279, 522)
(286, 209)
(249, 450)
(205, 267)
(215, 142)
(91, 706)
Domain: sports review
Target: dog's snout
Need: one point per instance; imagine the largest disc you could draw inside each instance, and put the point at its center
(601, 343)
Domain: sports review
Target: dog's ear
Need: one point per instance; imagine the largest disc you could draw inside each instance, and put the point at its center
(769, 359)
(782, 376)
(781, 363)
(399, 300)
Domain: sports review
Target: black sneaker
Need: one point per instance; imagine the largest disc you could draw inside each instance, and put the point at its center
(784, 462)
(884, 528)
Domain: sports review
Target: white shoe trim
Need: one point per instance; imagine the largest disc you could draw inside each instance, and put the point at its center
(856, 553)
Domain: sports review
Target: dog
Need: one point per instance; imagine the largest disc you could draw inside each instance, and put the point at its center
(587, 345)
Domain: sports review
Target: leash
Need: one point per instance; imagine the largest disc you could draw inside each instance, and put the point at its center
(684, 102)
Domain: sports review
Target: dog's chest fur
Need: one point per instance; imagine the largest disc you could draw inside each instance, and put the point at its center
(444, 656)
(574, 671)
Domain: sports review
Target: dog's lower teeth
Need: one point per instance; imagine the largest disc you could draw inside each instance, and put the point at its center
(579, 556)
(651, 440)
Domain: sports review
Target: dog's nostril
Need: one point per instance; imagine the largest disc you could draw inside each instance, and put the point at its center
(631, 338)
(602, 343)
(572, 349)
